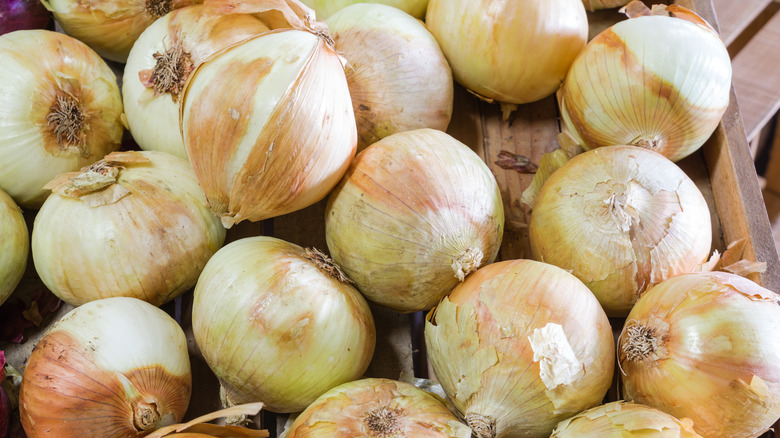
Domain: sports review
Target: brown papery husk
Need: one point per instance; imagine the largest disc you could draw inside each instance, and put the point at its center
(519, 346)
(699, 346)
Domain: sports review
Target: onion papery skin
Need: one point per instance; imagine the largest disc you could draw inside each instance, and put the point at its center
(14, 246)
(715, 358)
(398, 77)
(325, 8)
(186, 34)
(416, 212)
(268, 125)
(509, 51)
(147, 235)
(100, 368)
(63, 72)
(276, 328)
(594, 5)
(519, 346)
(24, 15)
(653, 81)
(622, 419)
(376, 407)
(621, 219)
(110, 27)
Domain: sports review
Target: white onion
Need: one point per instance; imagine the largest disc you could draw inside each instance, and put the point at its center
(14, 246)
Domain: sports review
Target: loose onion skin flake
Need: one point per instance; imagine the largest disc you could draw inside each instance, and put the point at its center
(622, 419)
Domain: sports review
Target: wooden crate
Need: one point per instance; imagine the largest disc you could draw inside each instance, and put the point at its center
(723, 169)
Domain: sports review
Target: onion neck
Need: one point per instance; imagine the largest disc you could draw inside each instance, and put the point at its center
(170, 71)
(384, 422)
(145, 416)
(326, 264)
(482, 426)
(158, 8)
(467, 262)
(67, 121)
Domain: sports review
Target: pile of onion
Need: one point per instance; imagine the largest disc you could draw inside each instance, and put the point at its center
(60, 111)
(134, 224)
(415, 214)
(326, 8)
(162, 60)
(510, 51)
(377, 408)
(14, 246)
(112, 368)
(268, 123)
(622, 419)
(519, 346)
(280, 324)
(398, 78)
(659, 80)
(621, 219)
(703, 346)
(110, 27)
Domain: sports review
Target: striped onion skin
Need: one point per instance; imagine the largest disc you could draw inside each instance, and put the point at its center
(117, 367)
(621, 419)
(655, 81)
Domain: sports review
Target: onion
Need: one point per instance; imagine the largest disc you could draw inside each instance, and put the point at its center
(703, 346)
(398, 78)
(326, 8)
(624, 420)
(110, 27)
(621, 219)
(24, 14)
(14, 246)
(593, 5)
(268, 123)
(511, 51)
(160, 62)
(133, 224)
(416, 213)
(59, 111)
(279, 324)
(116, 367)
(5, 402)
(377, 408)
(660, 82)
(519, 346)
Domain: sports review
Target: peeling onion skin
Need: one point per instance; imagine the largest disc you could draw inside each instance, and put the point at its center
(326, 8)
(667, 86)
(416, 212)
(110, 27)
(119, 366)
(483, 338)
(622, 419)
(621, 219)
(276, 328)
(702, 347)
(377, 408)
(510, 51)
(14, 246)
(153, 113)
(65, 85)
(398, 78)
(268, 125)
(150, 244)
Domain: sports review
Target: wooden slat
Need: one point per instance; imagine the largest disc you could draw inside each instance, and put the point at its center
(756, 79)
(733, 17)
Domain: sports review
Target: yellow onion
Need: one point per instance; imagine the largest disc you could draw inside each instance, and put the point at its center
(519, 346)
(703, 346)
(14, 246)
(110, 27)
(622, 419)
(593, 5)
(280, 324)
(621, 219)
(111, 368)
(134, 224)
(656, 81)
(377, 408)
(510, 51)
(398, 77)
(160, 62)
(326, 8)
(268, 124)
(60, 110)
(416, 213)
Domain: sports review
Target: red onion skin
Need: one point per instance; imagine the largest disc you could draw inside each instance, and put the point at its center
(24, 14)
(5, 413)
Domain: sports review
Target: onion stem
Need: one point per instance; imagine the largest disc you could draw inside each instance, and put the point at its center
(171, 71)
(642, 342)
(483, 427)
(327, 264)
(66, 119)
(384, 422)
(145, 416)
(158, 8)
